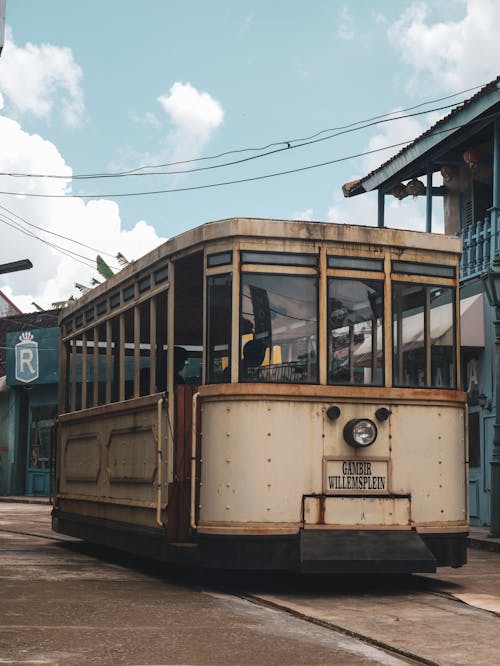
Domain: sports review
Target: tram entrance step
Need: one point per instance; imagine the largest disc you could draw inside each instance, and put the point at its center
(345, 551)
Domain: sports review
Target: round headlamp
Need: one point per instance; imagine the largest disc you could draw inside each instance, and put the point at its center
(360, 432)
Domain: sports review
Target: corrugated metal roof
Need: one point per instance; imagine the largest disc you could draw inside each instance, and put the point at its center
(355, 187)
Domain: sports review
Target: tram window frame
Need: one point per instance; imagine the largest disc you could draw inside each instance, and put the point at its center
(290, 367)
(377, 355)
(429, 370)
(399, 266)
(217, 259)
(225, 373)
(351, 263)
(272, 258)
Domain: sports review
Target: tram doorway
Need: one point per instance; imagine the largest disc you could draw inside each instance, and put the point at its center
(187, 358)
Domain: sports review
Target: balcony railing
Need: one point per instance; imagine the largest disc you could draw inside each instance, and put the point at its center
(480, 243)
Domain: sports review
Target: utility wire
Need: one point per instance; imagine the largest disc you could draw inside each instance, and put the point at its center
(53, 233)
(234, 162)
(285, 145)
(82, 260)
(241, 180)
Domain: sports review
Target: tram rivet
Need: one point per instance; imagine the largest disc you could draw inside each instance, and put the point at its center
(227, 507)
(269, 460)
(228, 460)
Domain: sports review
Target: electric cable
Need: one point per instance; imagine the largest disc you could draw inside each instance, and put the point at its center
(286, 145)
(242, 180)
(53, 233)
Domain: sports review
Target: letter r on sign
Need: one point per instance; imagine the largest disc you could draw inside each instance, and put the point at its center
(26, 359)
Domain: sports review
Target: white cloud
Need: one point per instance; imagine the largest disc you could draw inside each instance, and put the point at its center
(306, 215)
(345, 26)
(147, 118)
(194, 115)
(41, 80)
(94, 223)
(452, 54)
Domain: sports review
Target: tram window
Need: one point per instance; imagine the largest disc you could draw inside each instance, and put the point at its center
(442, 328)
(113, 368)
(279, 328)
(355, 331)
(88, 370)
(424, 326)
(144, 348)
(160, 316)
(355, 263)
(219, 300)
(279, 258)
(75, 374)
(144, 284)
(129, 349)
(411, 268)
(101, 361)
(161, 275)
(219, 259)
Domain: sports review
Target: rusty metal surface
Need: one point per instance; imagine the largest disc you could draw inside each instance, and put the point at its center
(266, 230)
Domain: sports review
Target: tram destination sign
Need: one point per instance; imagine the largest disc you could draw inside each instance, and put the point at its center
(347, 476)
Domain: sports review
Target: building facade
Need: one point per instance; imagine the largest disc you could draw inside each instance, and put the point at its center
(28, 402)
(456, 162)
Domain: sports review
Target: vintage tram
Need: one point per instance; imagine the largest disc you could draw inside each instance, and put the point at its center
(266, 394)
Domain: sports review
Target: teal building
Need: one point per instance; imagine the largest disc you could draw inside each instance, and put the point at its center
(28, 411)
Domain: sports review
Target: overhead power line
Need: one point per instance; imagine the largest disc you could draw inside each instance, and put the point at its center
(234, 162)
(90, 262)
(53, 233)
(263, 150)
(309, 167)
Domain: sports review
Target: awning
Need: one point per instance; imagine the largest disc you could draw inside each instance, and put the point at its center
(471, 328)
(472, 321)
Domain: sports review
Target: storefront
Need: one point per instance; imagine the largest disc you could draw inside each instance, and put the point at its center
(32, 384)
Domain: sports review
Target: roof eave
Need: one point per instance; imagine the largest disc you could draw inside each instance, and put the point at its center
(426, 143)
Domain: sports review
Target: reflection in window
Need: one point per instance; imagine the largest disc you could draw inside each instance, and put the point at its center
(278, 328)
(355, 331)
(219, 297)
(424, 336)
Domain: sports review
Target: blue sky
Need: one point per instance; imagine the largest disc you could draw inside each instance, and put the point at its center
(101, 87)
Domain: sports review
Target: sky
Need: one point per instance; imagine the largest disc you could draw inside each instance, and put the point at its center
(226, 90)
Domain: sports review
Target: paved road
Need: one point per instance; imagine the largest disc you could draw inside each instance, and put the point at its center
(66, 603)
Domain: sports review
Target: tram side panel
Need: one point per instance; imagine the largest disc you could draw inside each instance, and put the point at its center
(107, 475)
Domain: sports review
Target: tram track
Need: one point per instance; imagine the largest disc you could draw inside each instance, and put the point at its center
(235, 588)
(368, 640)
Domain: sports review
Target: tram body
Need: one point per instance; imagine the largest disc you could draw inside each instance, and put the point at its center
(316, 424)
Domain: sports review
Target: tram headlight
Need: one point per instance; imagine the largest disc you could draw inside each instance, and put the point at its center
(360, 432)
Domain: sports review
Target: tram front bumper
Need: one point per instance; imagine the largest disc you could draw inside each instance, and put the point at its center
(349, 551)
